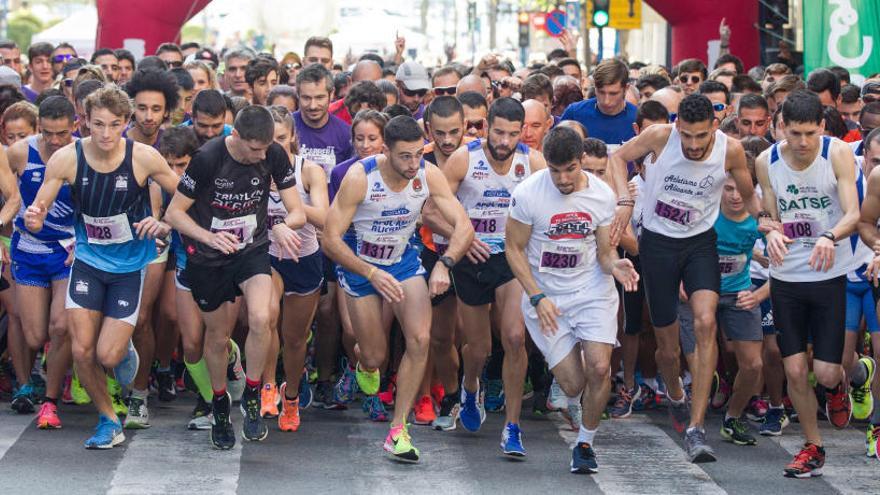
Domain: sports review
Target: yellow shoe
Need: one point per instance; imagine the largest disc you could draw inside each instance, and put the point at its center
(862, 399)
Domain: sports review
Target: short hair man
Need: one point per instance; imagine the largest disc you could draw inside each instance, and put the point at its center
(608, 116)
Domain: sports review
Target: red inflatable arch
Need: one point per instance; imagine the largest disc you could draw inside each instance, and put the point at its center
(154, 21)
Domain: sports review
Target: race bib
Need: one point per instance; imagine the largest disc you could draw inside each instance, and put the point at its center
(676, 213)
(488, 223)
(561, 257)
(107, 230)
(731, 264)
(805, 226)
(242, 228)
(382, 249)
(441, 244)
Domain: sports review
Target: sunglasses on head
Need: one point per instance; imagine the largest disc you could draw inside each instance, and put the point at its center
(419, 92)
(444, 90)
(694, 79)
(478, 125)
(61, 58)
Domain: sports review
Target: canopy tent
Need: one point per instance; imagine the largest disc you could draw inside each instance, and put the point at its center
(79, 30)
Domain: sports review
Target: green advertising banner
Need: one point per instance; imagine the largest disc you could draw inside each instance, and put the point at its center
(844, 33)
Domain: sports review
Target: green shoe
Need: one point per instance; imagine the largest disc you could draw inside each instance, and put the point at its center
(399, 444)
(873, 438)
(862, 399)
(78, 393)
(115, 391)
(735, 431)
(368, 381)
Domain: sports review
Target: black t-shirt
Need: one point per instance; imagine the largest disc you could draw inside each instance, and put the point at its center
(232, 196)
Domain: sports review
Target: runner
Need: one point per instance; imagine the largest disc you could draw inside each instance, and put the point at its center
(808, 183)
(261, 76)
(382, 197)
(683, 188)
(209, 116)
(483, 176)
(221, 212)
(41, 261)
(114, 243)
(559, 247)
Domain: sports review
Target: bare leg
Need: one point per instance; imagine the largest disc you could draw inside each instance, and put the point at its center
(443, 350)
(704, 304)
(748, 358)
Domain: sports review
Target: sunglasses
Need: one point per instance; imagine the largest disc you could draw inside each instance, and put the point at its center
(289, 67)
(694, 79)
(444, 90)
(478, 125)
(60, 59)
(419, 92)
(718, 107)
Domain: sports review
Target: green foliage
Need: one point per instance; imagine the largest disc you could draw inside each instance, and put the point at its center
(192, 32)
(23, 25)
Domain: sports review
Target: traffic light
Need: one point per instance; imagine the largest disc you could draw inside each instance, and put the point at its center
(523, 18)
(600, 13)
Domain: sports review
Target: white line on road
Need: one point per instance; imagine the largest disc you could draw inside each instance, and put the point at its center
(11, 427)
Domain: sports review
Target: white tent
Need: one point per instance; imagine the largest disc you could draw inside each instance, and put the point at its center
(78, 30)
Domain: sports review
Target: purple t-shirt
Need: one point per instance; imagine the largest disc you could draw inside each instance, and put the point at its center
(327, 146)
(30, 94)
(338, 174)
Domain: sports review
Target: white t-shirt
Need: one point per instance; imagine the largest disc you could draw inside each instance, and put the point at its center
(562, 247)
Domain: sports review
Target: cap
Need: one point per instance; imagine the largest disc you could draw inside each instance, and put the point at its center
(8, 77)
(871, 88)
(413, 76)
(205, 55)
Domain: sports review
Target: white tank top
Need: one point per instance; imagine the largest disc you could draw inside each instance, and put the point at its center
(485, 194)
(682, 196)
(862, 254)
(307, 234)
(385, 220)
(808, 205)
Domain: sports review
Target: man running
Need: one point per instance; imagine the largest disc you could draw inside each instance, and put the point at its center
(382, 197)
(221, 212)
(41, 261)
(483, 176)
(683, 189)
(559, 247)
(114, 230)
(808, 184)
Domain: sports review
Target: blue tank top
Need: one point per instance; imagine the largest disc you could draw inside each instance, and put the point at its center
(107, 204)
(58, 225)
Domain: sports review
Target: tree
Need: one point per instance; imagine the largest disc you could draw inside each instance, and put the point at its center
(23, 25)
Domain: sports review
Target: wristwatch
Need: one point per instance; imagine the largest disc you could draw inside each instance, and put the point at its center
(829, 235)
(447, 262)
(534, 300)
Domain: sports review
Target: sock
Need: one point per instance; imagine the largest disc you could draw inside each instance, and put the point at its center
(728, 416)
(585, 435)
(651, 382)
(218, 394)
(199, 374)
(252, 383)
(140, 394)
(875, 416)
(859, 374)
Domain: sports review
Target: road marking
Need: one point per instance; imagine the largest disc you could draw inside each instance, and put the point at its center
(11, 428)
(637, 457)
(167, 458)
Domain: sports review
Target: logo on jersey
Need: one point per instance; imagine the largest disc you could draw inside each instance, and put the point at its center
(37, 177)
(222, 183)
(792, 189)
(122, 303)
(122, 182)
(185, 180)
(85, 181)
(571, 225)
(255, 181)
(707, 182)
(417, 184)
(519, 170)
(81, 287)
(377, 186)
(496, 193)
(481, 165)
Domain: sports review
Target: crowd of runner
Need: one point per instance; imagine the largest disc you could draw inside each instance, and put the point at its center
(436, 243)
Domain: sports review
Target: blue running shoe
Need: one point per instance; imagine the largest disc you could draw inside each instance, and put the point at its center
(583, 459)
(126, 370)
(774, 421)
(23, 400)
(472, 412)
(108, 434)
(494, 395)
(374, 409)
(305, 391)
(511, 441)
(346, 387)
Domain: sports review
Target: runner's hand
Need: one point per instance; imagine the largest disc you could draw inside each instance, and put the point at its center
(777, 246)
(547, 313)
(438, 283)
(625, 273)
(822, 257)
(223, 241)
(388, 286)
(873, 271)
(70, 257)
(34, 216)
(622, 217)
(479, 251)
(745, 299)
(150, 228)
(877, 246)
(287, 240)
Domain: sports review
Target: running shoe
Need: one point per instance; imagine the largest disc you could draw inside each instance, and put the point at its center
(222, 435)
(201, 417)
(757, 409)
(386, 395)
(108, 434)
(574, 413)
(138, 417)
(288, 420)
(115, 391)
(626, 399)
(38, 382)
(47, 417)
(720, 392)
(647, 398)
(323, 397)
(862, 399)
(872, 442)
(807, 463)
(235, 377)
(367, 381)
(511, 441)
(166, 386)
(254, 428)
(494, 395)
(78, 393)
(423, 411)
(398, 443)
(838, 406)
(23, 400)
(347, 385)
(269, 400)
(126, 370)
(680, 415)
(583, 459)
(472, 413)
(437, 392)
(556, 400)
(66, 397)
(305, 391)
(449, 407)
(697, 449)
(736, 431)
(774, 421)
(374, 408)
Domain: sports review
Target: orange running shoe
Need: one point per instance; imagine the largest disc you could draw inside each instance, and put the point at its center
(288, 420)
(838, 405)
(269, 400)
(424, 411)
(47, 418)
